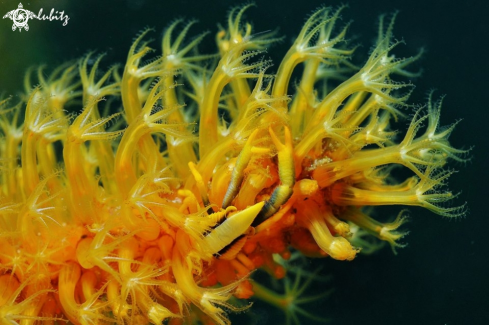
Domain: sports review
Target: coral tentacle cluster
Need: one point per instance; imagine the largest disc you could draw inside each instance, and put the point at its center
(176, 178)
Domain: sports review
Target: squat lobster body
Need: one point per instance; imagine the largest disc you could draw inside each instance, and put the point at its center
(231, 229)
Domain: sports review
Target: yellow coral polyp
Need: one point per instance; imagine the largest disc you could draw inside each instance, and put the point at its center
(159, 197)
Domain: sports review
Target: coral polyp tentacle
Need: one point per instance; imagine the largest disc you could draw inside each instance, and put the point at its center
(128, 215)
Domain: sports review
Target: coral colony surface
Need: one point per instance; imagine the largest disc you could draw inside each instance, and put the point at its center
(152, 193)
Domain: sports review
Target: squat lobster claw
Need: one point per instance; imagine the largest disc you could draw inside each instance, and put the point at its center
(238, 171)
(286, 171)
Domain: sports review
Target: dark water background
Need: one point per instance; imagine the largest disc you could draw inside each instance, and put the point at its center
(442, 276)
